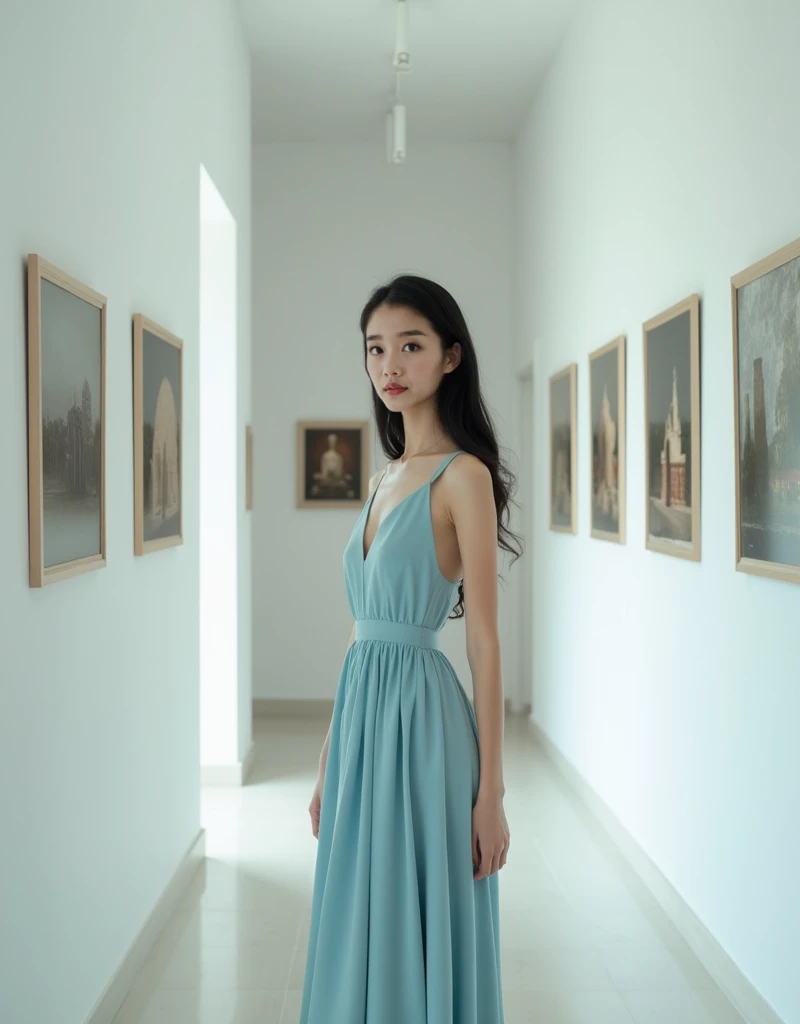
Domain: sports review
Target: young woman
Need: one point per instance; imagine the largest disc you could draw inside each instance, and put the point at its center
(408, 806)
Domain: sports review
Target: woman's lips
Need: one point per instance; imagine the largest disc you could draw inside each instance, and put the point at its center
(394, 390)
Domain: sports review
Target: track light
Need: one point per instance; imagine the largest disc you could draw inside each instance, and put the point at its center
(402, 57)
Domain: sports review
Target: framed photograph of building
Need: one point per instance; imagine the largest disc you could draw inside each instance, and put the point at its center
(332, 463)
(766, 367)
(607, 387)
(66, 425)
(563, 450)
(672, 430)
(157, 437)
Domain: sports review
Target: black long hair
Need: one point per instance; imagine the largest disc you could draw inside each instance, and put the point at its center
(459, 403)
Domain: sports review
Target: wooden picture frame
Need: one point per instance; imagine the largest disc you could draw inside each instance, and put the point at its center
(248, 461)
(671, 344)
(563, 450)
(157, 437)
(607, 435)
(766, 356)
(332, 463)
(66, 342)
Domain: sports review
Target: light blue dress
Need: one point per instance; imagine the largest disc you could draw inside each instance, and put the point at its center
(400, 931)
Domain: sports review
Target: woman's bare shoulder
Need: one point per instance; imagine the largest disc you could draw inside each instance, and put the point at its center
(469, 471)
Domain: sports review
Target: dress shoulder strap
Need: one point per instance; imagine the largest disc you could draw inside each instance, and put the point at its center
(444, 464)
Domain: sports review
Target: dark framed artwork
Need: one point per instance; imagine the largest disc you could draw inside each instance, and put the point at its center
(563, 450)
(607, 397)
(766, 367)
(157, 437)
(672, 430)
(66, 425)
(332, 463)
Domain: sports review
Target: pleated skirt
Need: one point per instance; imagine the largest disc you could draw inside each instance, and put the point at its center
(400, 932)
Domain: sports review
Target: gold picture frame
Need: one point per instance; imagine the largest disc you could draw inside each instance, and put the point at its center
(157, 437)
(607, 435)
(563, 450)
(766, 339)
(66, 342)
(671, 350)
(333, 463)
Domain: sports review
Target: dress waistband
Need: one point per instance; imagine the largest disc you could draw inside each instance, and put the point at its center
(396, 632)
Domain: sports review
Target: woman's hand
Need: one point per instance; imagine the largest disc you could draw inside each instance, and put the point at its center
(315, 806)
(490, 836)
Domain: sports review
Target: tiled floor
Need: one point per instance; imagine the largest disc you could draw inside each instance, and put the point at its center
(583, 943)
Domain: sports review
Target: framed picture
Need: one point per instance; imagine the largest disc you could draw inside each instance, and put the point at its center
(66, 425)
(766, 367)
(672, 430)
(248, 458)
(563, 450)
(332, 463)
(607, 397)
(157, 437)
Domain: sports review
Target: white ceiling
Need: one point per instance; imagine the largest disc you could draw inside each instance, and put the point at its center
(322, 69)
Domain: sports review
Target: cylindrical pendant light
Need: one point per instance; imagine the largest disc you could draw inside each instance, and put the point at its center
(398, 134)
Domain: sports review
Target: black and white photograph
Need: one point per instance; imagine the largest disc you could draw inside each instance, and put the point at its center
(766, 317)
(672, 422)
(157, 388)
(607, 386)
(563, 450)
(66, 367)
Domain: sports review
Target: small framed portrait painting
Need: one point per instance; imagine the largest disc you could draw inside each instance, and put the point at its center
(332, 463)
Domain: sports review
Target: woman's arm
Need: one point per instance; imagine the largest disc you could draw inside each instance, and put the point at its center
(323, 757)
(470, 501)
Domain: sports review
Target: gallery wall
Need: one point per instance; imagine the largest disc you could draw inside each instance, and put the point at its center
(108, 112)
(658, 160)
(330, 223)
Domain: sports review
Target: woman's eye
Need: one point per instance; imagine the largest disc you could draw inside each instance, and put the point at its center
(373, 348)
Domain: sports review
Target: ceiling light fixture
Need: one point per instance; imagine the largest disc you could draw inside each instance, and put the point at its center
(398, 134)
(402, 57)
(396, 118)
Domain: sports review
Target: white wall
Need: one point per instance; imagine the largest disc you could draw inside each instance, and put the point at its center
(330, 223)
(661, 157)
(108, 112)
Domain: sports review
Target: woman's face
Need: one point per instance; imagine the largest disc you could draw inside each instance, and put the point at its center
(404, 350)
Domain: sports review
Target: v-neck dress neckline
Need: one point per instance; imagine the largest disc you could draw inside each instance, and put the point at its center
(368, 507)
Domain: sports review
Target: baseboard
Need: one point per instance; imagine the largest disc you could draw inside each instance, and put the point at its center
(512, 708)
(107, 1006)
(228, 774)
(728, 976)
(267, 707)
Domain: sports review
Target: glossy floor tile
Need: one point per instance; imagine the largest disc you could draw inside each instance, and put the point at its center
(583, 942)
